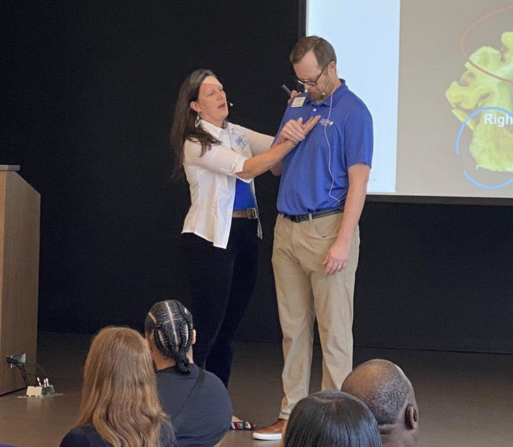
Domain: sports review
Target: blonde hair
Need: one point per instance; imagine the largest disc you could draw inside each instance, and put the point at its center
(119, 395)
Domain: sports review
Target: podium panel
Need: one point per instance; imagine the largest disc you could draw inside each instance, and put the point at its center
(19, 275)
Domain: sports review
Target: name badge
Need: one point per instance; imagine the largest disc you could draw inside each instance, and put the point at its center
(298, 101)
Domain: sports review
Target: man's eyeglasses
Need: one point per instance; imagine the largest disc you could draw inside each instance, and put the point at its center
(312, 83)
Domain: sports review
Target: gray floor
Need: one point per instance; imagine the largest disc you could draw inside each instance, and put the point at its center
(465, 400)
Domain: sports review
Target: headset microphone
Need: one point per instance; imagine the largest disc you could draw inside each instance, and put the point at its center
(328, 87)
(230, 104)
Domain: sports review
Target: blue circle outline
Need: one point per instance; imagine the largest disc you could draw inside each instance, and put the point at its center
(458, 138)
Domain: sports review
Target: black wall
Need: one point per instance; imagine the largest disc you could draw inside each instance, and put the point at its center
(86, 109)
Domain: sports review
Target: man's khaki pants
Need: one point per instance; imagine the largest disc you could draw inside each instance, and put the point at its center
(304, 293)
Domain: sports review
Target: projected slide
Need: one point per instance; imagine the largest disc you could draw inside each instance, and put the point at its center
(437, 77)
(483, 102)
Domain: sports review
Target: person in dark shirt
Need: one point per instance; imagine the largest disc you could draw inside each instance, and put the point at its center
(120, 405)
(196, 401)
(87, 436)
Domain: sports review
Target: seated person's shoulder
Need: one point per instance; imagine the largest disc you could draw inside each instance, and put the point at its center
(167, 436)
(216, 393)
(88, 437)
(213, 381)
(82, 437)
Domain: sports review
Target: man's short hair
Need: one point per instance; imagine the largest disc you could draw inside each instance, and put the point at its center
(323, 50)
(382, 386)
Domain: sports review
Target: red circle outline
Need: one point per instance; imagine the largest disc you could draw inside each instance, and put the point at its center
(470, 28)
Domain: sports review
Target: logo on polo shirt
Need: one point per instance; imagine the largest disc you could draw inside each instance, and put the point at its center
(241, 141)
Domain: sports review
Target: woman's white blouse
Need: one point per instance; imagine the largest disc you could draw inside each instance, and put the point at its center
(212, 179)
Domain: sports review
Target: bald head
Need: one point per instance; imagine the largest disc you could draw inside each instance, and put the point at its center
(383, 387)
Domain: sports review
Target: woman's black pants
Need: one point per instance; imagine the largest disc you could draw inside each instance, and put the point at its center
(221, 282)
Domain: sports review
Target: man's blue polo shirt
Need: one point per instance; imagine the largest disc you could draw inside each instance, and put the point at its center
(315, 172)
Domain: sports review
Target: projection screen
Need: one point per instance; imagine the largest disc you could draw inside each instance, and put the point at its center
(437, 77)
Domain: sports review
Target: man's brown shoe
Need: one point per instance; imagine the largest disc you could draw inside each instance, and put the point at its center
(270, 433)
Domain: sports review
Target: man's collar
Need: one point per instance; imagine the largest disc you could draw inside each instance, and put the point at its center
(337, 94)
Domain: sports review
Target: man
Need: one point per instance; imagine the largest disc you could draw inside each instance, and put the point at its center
(388, 393)
(322, 193)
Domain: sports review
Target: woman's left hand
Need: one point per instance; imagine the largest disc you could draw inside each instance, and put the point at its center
(296, 131)
(293, 131)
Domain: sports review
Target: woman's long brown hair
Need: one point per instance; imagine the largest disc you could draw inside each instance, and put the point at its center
(183, 127)
(119, 396)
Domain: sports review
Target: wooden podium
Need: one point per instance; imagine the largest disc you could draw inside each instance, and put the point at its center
(19, 274)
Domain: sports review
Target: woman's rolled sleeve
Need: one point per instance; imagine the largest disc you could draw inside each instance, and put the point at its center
(219, 159)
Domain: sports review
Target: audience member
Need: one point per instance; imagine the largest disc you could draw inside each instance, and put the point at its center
(196, 400)
(389, 395)
(331, 419)
(120, 405)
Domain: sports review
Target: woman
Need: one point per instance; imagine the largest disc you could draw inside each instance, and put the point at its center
(196, 401)
(120, 405)
(331, 419)
(221, 230)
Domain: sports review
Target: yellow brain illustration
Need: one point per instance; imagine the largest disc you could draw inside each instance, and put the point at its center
(492, 139)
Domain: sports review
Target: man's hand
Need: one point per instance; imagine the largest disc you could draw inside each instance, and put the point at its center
(337, 257)
(310, 124)
(338, 254)
(293, 94)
